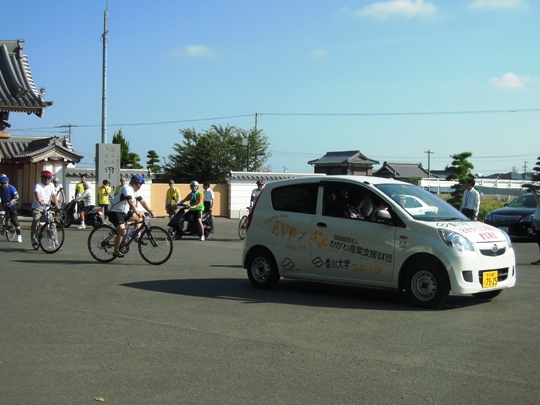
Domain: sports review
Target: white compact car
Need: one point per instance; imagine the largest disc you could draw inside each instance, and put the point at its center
(374, 232)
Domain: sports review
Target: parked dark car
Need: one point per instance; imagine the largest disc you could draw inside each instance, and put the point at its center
(516, 219)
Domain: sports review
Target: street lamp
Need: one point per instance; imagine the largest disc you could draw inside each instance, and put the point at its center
(245, 142)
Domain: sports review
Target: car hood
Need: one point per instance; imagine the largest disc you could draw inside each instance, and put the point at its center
(513, 211)
(475, 231)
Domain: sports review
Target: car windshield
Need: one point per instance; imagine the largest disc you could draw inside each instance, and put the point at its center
(421, 204)
(525, 201)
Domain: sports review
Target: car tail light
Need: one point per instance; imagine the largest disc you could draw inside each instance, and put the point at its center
(252, 210)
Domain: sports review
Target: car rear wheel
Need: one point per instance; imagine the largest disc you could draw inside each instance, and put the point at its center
(427, 284)
(262, 269)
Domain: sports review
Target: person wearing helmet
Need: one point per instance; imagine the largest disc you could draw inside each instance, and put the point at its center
(8, 198)
(43, 195)
(124, 209)
(196, 205)
(256, 191)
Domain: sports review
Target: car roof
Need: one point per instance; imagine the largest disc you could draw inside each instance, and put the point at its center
(326, 179)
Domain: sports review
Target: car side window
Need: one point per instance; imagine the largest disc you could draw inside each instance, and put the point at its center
(301, 198)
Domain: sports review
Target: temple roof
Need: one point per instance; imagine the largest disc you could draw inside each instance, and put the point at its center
(21, 149)
(18, 91)
(350, 157)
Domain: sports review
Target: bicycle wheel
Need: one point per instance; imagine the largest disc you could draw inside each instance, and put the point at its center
(51, 237)
(242, 227)
(101, 243)
(11, 233)
(155, 245)
(62, 217)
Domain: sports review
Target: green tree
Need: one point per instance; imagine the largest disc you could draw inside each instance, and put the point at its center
(460, 170)
(153, 160)
(536, 170)
(128, 159)
(212, 154)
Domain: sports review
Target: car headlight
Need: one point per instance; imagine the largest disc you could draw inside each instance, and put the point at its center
(508, 240)
(488, 216)
(528, 218)
(455, 240)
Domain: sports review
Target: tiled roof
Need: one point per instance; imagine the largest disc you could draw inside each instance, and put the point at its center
(343, 157)
(17, 89)
(91, 172)
(401, 170)
(267, 176)
(34, 149)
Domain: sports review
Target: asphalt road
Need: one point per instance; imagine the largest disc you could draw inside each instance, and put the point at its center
(194, 331)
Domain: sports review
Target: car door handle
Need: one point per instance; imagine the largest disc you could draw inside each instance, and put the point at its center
(321, 224)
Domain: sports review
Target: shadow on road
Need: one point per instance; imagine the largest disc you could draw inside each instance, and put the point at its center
(295, 292)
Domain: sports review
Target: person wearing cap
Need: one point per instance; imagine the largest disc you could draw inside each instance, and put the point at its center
(8, 198)
(171, 199)
(43, 196)
(123, 209)
(87, 199)
(256, 191)
(59, 192)
(104, 194)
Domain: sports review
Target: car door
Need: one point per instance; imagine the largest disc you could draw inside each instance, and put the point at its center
(356, 250)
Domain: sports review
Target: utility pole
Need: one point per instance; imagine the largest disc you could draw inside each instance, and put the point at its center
(104, 83)
(429, 152)
(68, 126)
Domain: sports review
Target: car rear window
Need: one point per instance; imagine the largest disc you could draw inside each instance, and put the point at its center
(300, 198)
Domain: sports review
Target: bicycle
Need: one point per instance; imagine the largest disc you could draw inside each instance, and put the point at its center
(50, 237)
(155, 244)
(6, 227)
(242, 225)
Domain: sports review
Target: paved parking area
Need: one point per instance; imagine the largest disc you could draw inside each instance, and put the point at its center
(194, 331)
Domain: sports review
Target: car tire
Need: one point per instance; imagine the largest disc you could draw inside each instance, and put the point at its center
(488, 294)
(427, 284)
(262, 269)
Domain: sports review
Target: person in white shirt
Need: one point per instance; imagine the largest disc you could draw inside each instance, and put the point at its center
(208, 204)
(43, 195)
(59, 192)
(470, 205)
(256, 191)
(87, 198)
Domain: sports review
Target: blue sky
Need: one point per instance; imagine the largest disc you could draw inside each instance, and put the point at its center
(393, 79)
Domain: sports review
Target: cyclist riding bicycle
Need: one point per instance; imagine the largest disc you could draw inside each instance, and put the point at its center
(9, 197)
(44, 194)
(124, 209)
(256, 191)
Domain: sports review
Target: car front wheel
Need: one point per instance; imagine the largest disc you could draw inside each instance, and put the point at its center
(262, 269)
(427, 284)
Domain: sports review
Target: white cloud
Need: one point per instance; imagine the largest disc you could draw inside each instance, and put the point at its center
(319, 54)
(512, 81)
(499, 4)
(193, 51)
(398, 8)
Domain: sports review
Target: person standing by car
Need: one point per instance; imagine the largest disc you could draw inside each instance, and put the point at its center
(104, 194)
(536, 220)
(171, 199)
(208, 204)
(43, 195)
(256, 191)
(8, 198)
(470, 206)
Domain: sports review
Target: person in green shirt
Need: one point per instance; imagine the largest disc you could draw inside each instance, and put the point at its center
(196, 205)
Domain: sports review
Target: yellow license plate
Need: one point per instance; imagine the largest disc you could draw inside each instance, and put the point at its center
(490, 279)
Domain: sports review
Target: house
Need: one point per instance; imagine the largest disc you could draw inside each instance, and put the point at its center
(401, 171)
(344, 162)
